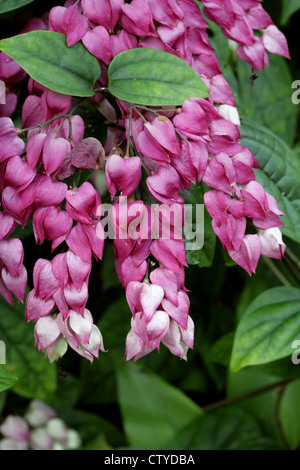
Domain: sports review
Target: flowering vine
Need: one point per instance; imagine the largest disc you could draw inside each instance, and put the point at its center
(161, 150)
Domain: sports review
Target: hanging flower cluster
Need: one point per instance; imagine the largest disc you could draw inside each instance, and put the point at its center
(39, 429)
(163, 151)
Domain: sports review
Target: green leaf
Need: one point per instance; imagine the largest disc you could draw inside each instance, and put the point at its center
(7, 379)
(153, 411)
(289, 7)
(283, 368)
(37, 377)
(47, 59)
(220, 351)
(267, 100)
(279, 173)
(262, 405)
(289, 414)
(268, 328)
(152, 77)
(7, 6)
(229, 428)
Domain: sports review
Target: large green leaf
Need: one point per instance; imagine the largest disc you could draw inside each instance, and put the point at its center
(279, 172)
(152, 77)
(289, 414)
(7, 6)
(153, 411)
(289, 7)
(47, 59)
(267, 100)
(229, 428)
(262, 405)
(7, 379)
(269, 327)
(37, 377)
(220, 351)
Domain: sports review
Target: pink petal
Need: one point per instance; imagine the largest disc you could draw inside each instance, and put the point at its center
(162, 130)
(97, 41)
(77, 25)
(78, 242)
(151, 298)
(275, 41)
(11, 254)
(37, 307)
(180, 312)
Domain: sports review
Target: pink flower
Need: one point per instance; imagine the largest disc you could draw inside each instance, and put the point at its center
(12, 254)
(162, 130)
(261, 206)
(137, 19)
(97, 41)
(170, 253)
(178, 340)
(122, 41)
(144, 336)
(10, 143)
(248, 254)
(16, 428)
(51, 223)
(14, 284)
(271, 243)
(164, 185)
(69, 21)
(103, 12)
(275, 41)
(54, 152)
(38, 413)
(123, 173)
(179, 311)
(37, 308)
(144, 297)
(82, 203)
(220, 174)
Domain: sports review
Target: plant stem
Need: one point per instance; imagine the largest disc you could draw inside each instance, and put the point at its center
(290, 267)
(129, 133)
(292, 263)
(245, 396)
(105, 92)
(292, 257)
(54, 118)
(276, 271)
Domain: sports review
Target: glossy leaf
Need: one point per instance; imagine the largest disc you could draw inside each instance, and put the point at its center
(37, 377)
(47, 59)
(153, 411)
(7, 379)
(279, 172)
(229, 428)
(7, 6)
(152, 77)
(267, 99)
(269, 327)
(289, 414)
(220, 351)
(289, 7)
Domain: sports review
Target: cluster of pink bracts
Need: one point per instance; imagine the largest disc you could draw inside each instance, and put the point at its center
(175, 148)
(39, 429)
